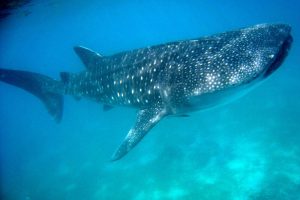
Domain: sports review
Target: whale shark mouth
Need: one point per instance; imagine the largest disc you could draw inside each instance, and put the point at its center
(281, 55)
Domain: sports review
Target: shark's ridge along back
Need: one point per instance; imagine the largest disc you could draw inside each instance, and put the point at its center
(169, 79)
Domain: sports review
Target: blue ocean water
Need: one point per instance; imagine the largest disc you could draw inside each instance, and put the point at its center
(246, 150)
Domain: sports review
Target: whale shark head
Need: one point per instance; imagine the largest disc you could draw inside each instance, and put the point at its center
(260, 50)
(281, 34)
(236, 61)
(247, 55)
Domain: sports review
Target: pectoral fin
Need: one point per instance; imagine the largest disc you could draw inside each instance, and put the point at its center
(146, 119)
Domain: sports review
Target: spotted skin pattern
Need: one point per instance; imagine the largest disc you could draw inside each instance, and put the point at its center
(178, 77)
(171, 73)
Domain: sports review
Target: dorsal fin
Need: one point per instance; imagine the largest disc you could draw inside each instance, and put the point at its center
(89, 58)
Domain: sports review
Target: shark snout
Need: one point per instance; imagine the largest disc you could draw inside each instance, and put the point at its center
(284, 29)
(282, 36)
(277, 29)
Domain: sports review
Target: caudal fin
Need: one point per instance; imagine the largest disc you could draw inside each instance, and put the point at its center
(48, 90)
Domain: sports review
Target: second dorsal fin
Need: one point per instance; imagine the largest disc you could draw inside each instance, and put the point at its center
(90, 59)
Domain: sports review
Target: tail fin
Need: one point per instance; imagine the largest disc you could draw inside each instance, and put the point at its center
(48, 90)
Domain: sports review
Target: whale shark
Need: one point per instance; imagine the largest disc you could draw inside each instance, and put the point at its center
(174, 78)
